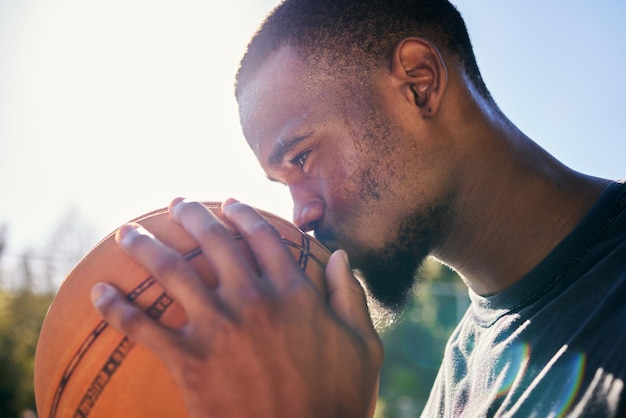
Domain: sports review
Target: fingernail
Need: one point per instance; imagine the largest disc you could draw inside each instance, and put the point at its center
(345, 257)
(176, 202)
(98, 292)
(227, 203)
(128, 232)
(230, 201)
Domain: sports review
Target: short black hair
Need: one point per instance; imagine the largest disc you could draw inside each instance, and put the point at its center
(360, 30)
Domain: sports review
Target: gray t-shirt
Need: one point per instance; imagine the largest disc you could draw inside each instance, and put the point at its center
(553, 344)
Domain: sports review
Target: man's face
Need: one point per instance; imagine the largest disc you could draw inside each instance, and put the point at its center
(352, 165)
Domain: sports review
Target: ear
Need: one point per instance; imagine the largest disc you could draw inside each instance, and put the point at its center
(419, 69)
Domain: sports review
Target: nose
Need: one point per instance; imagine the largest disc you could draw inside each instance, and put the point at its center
(307, 211)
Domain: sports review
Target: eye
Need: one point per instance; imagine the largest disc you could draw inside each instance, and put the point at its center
(300, 159)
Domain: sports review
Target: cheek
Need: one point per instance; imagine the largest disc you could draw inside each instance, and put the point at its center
(341, 191)
(353, 181)
(353, 195)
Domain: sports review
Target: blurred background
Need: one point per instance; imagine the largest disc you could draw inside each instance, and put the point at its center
(110, 109)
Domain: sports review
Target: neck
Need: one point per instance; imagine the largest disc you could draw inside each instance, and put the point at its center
(512, 211)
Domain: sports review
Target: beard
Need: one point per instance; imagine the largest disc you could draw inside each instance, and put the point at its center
(391, 272)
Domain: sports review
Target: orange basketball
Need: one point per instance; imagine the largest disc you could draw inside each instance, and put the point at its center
(84, 367)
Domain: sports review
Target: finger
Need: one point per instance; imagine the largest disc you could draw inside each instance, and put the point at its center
(219, 247)
(130, 320)
(347, 298)
(274, 259)
(166, 265)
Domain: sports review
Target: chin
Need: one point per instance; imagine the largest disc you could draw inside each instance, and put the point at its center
(390, 272)
(390, 275)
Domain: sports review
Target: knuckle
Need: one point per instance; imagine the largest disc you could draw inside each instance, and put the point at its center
(188, 208)
(211, 230)
(262, 227)
(238, 208)
(258, 307)
(255, 303)
(130, 321)
(301, 293)
(167, 264)
(303, 301)
(357, 289)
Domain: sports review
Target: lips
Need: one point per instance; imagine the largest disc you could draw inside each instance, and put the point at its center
(327, 237)
(333, 242)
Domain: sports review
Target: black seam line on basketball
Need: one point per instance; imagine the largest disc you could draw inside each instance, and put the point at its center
(69, 370)
(155, 310)
(93, 335)
(103, 377)
(149, 281)
(309, 254)
(304, 254)
(159, 306)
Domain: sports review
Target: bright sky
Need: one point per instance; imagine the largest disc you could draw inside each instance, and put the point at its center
(114, 107)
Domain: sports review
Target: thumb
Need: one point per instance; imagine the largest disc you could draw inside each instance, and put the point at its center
(346, 295)
(348, 300)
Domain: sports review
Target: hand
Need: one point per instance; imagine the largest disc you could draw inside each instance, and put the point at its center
(262, 344)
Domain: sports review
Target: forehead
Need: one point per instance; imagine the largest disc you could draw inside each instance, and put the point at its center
(283, 95)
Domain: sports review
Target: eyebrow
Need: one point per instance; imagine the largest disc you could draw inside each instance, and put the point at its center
(283, 147)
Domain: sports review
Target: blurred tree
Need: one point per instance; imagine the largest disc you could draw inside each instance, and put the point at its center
(414, 346)
(21, 315)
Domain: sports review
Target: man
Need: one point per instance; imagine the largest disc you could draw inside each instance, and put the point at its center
(374, 114)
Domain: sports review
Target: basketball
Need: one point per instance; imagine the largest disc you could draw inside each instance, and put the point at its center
(84, 367)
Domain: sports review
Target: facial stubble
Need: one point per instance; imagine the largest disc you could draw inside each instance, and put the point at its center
(391, 272)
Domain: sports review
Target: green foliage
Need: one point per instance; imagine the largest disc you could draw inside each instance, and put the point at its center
(21, 316)
(414, 346)
(21, 313)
